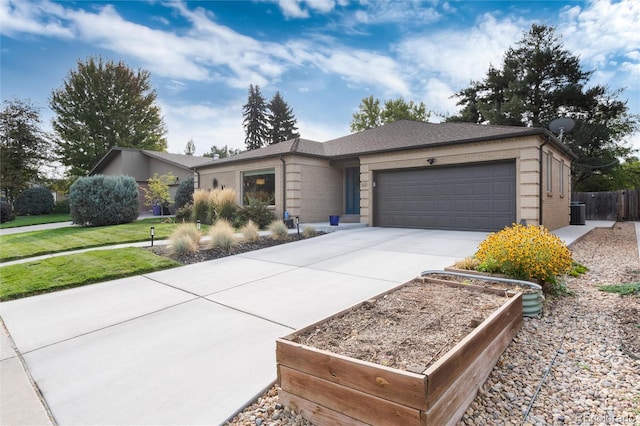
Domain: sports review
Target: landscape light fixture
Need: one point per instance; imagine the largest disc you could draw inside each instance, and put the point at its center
(298, 224)
(198, 224)
(152, 231)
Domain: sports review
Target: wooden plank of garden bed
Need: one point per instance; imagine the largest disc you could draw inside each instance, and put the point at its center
(391, 384)
(491, 290)
(451, 405)
(319, 415)
(352, 403)
(442, 374)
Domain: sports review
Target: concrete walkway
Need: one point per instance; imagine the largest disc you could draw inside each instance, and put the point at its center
(193, 345)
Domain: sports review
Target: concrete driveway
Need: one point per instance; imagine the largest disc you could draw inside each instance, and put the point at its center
(193, 345)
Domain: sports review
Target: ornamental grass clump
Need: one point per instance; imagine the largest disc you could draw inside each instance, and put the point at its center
(250, 232)
(222, 235)
(525, 253)
(185, 239)
(279, 230)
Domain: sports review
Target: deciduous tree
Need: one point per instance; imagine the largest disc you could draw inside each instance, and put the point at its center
(190, 149)
(370, 114)
(24, 147)
(103, 104)
(223, 152)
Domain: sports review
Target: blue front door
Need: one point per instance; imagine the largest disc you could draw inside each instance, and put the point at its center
(352, 190)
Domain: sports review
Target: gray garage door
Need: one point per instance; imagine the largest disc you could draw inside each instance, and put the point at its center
(478, 197)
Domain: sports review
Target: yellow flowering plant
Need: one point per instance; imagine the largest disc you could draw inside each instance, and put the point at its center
(525, 253)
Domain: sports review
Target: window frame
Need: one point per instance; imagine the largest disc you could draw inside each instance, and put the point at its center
(269, 174)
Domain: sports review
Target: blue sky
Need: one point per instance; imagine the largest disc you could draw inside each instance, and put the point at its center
(323, 56)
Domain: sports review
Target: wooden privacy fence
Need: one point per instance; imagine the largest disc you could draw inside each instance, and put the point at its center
(613, 205)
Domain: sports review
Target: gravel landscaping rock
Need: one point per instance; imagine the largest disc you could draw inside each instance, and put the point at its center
(577, 364)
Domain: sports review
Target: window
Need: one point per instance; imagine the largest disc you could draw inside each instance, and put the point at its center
(549, 171)
(561, 177)
(260, 185)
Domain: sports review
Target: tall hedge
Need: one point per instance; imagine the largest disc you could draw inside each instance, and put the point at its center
(34, 201)
(103, 200)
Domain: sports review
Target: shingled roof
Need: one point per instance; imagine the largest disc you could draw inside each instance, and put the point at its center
(180, 160)
(396, 136)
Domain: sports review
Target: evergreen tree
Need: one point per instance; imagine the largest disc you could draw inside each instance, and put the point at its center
(539, 81)
(102, 105)
(24, 147)
(282, 122)
(255, 119)
(370, 114)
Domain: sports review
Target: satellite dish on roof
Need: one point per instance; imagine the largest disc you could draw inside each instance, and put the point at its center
(562, 125)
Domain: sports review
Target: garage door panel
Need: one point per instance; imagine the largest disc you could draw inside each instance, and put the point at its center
(466, 197)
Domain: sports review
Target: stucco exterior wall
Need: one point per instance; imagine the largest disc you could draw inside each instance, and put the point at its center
(556, 199)
(525, 152)
(115, 167)
(314, 189)
(135, 164)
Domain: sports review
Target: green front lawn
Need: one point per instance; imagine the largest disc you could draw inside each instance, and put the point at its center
(36, 243)
(74, 270)
(36, 220)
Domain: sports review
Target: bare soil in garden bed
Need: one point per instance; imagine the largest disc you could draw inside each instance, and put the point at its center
(407, 329)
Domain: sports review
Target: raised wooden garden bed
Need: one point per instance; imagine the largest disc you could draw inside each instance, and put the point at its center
(330, 388)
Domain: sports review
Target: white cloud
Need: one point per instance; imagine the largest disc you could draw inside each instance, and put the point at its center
(295, 8)
(207, 125)
(33, 18)
(458, 57)
(404, 12)
(437, 98)
(363, 68)
(605, 33)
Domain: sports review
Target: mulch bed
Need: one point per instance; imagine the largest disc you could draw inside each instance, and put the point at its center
(207, 253)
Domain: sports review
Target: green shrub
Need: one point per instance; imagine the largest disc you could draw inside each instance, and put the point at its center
(222, 235)
(184, 213)
(256, 211)
(309, 231)
(184, 193)
(34, 201)
(103, 200)
(278, 230)
(250, 231)
(622, 289)
(62, 207)
(6, 212)
(525, 252)
(185, 239)
(157, 191)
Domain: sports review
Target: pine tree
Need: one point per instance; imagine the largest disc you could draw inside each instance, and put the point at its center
(282, 122)
(255, 119)
(102, 105)
(540, 80)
